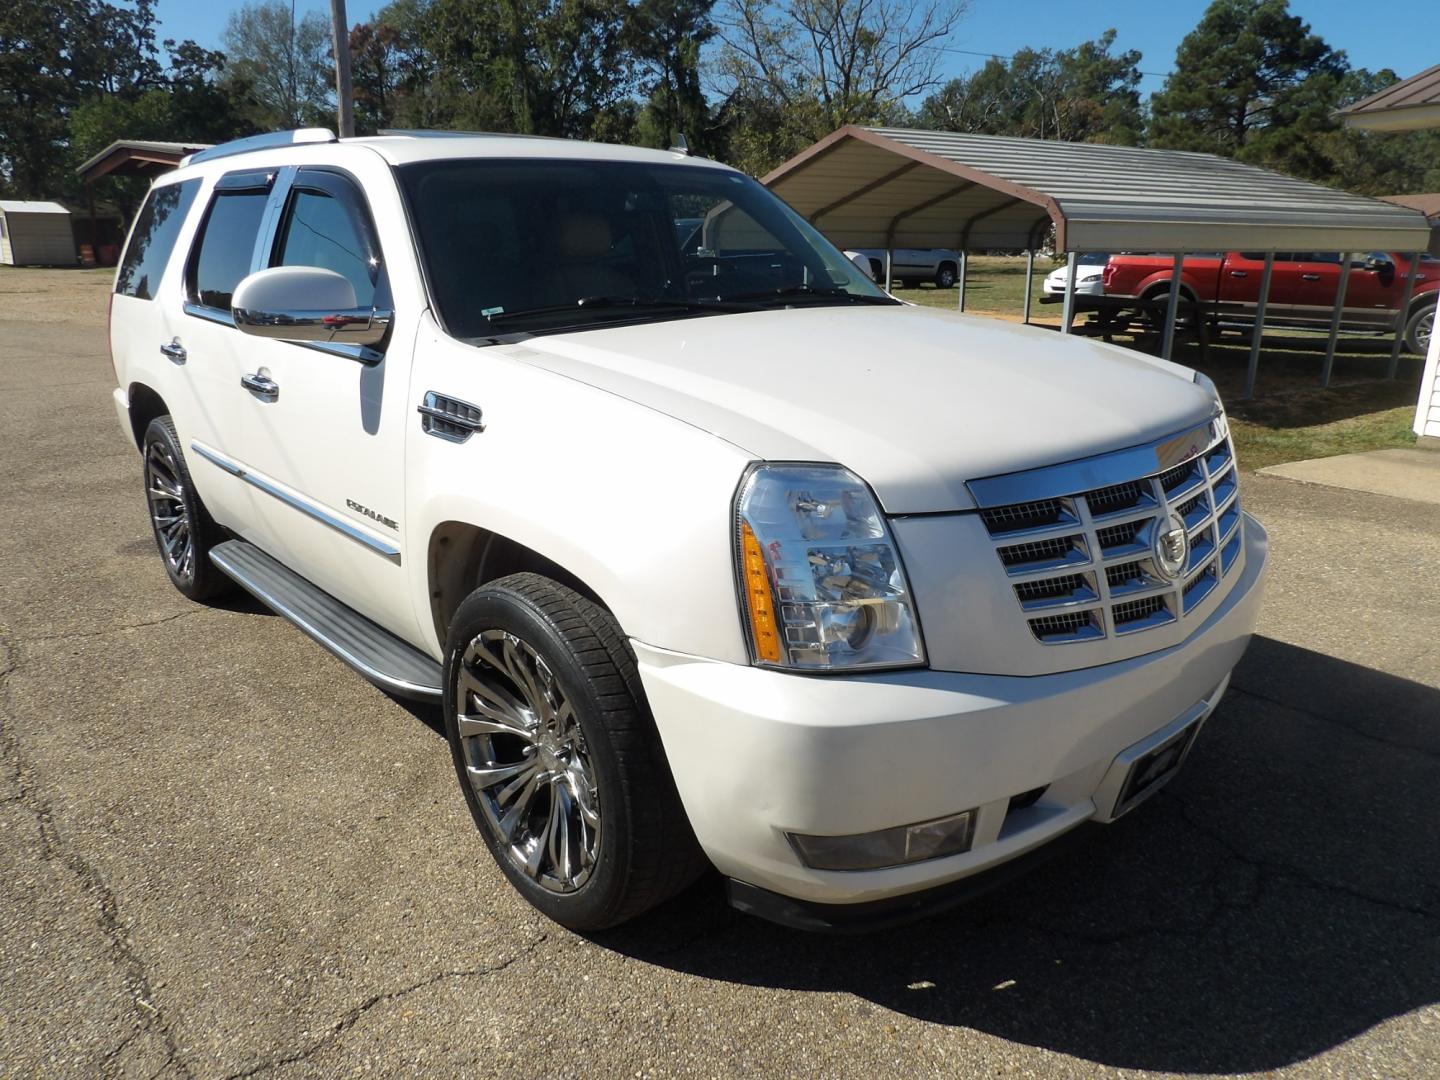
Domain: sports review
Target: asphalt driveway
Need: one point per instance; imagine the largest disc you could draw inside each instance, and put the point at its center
(222, 854)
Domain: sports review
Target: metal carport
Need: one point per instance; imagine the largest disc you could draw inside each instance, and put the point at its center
(889, 187)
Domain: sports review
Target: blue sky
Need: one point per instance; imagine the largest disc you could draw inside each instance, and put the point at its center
(1401, 34)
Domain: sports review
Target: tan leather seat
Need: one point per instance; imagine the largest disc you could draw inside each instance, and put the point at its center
(585, 242)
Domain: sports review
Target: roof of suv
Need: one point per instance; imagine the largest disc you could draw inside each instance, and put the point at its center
(404, 147)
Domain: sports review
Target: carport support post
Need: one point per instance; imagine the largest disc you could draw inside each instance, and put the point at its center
(1172, 306)
(964, 265)
(1335, 319)
(1254, 369)
(1394, 367)
(889, 267)
(1029, 282)
(1067, 310)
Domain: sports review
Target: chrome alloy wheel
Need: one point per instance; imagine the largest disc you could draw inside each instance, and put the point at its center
(1423, 330)
(526, 759)
(167, 510)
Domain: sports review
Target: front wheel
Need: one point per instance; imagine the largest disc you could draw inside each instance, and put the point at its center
(945, 276)
(1418, 329)
(558, 756)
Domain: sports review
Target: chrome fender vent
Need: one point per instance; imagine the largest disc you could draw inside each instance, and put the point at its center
(449, 418)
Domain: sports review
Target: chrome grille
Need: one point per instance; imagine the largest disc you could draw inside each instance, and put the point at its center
(1083, 565)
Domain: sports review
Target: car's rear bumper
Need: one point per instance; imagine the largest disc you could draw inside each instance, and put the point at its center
(758, 754)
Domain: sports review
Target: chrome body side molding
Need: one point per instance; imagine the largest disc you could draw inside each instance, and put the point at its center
(325, 517)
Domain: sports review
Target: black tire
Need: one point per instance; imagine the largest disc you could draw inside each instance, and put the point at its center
(1419, 327)
(946, 275)
(169, 491)
(644, 850)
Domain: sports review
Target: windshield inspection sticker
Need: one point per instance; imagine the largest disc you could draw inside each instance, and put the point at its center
(487, 312)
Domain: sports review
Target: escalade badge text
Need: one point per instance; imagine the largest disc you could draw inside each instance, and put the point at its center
(1171, 547)
(372, 515)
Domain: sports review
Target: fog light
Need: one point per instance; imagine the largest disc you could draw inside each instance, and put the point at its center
(888, 847)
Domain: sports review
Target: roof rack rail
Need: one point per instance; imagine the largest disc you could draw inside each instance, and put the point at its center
(444, 133)
(262, 142)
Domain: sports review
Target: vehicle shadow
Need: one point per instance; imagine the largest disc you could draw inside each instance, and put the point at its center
(1281, 897)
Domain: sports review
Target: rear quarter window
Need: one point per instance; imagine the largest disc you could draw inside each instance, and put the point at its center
(152, 241)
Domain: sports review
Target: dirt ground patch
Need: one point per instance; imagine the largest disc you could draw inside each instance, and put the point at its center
(38, 294)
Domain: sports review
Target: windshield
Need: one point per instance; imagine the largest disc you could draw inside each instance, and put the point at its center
(541, 246)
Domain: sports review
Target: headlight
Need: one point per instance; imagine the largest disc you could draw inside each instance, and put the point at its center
(822, 584)
(1092, 277)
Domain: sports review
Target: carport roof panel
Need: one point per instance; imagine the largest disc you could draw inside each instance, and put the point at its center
(1101, 198)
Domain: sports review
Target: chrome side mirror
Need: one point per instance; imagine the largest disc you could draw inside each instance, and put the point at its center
(305, 303)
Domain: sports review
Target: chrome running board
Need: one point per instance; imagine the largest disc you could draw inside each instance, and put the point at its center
(377, 654)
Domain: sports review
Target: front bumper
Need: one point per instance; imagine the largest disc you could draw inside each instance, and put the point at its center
(757, 754)
(1082, 288)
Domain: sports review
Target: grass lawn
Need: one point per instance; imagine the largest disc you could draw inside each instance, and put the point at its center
(1291, 417)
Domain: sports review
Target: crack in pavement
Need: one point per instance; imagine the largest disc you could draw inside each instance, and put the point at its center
(1290, 873)
(188, 612)
(1371, 736)
(1265, 872)
(351, 1018)
(53, 849)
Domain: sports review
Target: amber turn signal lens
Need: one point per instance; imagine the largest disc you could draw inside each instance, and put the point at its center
(758, 598)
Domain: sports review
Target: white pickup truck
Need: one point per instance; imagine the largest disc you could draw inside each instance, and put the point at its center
(712, 553)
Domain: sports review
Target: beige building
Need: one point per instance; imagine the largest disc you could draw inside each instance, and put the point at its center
(36, 234)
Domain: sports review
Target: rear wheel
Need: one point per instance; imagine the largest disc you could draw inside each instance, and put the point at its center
(558, 756)
(184, 531)
(945, 276)
(1418, 329)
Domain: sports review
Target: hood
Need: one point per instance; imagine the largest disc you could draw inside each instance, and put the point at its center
(915, 401)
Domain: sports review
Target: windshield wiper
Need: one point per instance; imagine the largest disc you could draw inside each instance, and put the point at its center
(613, 303)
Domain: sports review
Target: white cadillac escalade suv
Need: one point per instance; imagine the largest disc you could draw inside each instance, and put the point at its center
(713, 552)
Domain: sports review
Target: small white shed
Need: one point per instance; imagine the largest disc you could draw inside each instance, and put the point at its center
(36, 234)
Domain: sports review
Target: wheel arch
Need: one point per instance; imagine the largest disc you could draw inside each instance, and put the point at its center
(1162, 285)
(461, 557)
(145, 405)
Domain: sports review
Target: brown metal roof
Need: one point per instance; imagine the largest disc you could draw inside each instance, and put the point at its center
(1428, 204)
(1408, 105)
(132, 157)
(873, 187)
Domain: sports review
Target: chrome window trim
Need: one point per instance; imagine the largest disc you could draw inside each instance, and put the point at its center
(325, 517)
(211, 314)
(1099, 471)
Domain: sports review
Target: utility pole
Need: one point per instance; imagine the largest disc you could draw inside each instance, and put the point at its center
(344, 98)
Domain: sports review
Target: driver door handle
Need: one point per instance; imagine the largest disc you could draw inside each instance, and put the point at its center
(1239, 273)
(174, 351)
(1309, 277)
(262, 386)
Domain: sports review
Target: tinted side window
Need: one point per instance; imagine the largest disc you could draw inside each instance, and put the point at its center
(330, 228)
(226, 244)
(153, 240)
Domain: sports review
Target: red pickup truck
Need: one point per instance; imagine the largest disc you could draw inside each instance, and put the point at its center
(1302, 288)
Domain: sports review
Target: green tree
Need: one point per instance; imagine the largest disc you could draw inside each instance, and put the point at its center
(665, 37)
(792, 71)
(1250, 81)
(1085, 94)
(282, 64)
(55, 54)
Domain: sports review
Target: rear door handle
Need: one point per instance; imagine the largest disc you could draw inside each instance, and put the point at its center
(1309, 277)
(1239, 273)
(174, 350)
(262, 386)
